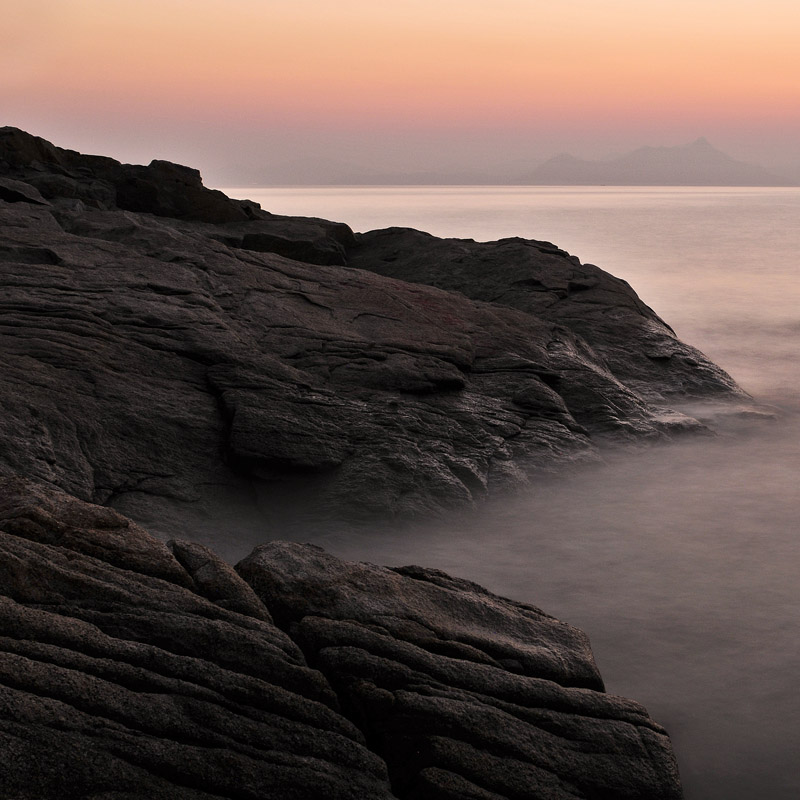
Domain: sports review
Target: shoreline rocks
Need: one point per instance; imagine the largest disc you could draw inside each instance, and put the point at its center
(134, 670)
(170, 354)
(168, 348)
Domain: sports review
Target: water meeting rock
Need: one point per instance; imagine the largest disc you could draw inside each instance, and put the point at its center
(164, 346)
(626, 335)
(130, 672)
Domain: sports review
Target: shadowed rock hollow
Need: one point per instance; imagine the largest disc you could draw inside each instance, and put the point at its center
(165, 348)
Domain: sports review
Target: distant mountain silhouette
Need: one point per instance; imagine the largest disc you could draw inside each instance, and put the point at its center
(696, 164)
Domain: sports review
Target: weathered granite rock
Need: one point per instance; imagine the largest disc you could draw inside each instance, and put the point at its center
(217, 580)
(636, 346)
(12, 191)
(150, 366)
(463, 693)
(52, 517)
(118, 684)
(314, 241)
(162, 188)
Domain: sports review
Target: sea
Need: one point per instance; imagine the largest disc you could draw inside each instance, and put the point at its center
(681, 561)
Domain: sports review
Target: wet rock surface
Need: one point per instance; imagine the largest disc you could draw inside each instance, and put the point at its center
(130, 672)
(164, 347)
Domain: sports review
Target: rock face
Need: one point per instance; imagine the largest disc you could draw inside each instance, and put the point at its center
(639, 349)
(122, 676)
(134, 669)
(164, 347)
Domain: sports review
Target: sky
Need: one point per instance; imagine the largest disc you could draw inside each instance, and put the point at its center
(259, 88)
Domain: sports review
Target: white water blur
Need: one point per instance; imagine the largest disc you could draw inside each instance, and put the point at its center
(681, 562)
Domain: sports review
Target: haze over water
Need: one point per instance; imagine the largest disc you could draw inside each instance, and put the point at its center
(680, 561)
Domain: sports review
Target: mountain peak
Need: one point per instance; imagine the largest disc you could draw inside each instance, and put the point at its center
(698, 163)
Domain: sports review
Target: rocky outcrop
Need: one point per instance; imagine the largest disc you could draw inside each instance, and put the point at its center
(122, 676)
(463, 693)
(164, 347)
(162, 188)
(133, 669)
(626, 336)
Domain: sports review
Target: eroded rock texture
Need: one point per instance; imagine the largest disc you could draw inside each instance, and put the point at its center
(163, 347)
(636, 346)
(134, 669)
(123, 676)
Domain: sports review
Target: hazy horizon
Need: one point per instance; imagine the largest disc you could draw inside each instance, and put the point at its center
(424, 87)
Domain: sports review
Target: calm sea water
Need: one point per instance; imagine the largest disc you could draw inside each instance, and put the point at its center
(681, 562)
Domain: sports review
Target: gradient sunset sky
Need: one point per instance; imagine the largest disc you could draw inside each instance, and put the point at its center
(412, 85)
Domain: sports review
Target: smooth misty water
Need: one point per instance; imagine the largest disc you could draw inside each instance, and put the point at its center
(680, 561)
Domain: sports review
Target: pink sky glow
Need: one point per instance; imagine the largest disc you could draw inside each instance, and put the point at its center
(414, 85)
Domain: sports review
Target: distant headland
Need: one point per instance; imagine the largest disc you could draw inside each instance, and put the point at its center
(698, 163)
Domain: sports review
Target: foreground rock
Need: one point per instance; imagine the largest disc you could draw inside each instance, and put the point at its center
(133, 669)
(164, 348)
(119, 678)
(463, 693)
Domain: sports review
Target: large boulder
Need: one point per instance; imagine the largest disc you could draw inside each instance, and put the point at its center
(463, 693)
(158, 358)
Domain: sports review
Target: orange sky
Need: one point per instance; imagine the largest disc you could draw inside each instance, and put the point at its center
(450, 78)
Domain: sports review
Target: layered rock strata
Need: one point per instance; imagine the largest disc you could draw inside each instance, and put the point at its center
(130, 668)
(164, 347)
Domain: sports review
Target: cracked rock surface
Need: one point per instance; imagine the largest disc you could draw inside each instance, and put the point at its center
(130, 668)
(164, 347)
(636, 345)
(124, 675)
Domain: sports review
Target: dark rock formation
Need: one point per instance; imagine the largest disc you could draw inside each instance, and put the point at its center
(129, 672)
(164, 348)
(159, 349)
(626, 336)
(314, 241)
(120, 677)
(162, 188)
